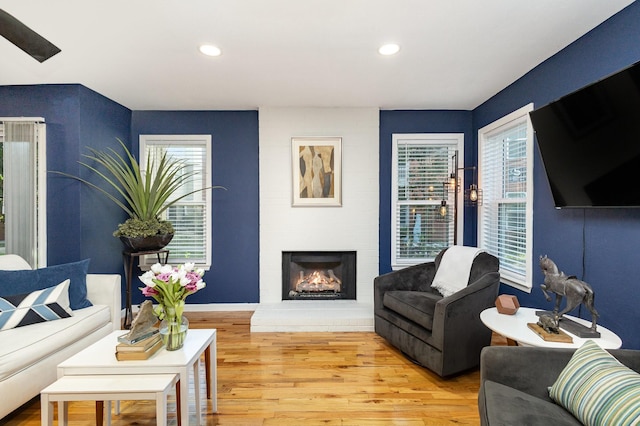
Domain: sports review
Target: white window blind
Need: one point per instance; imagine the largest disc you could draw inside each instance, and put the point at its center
(421, 167)
(191, 216)
(505, 217)
(23, 195)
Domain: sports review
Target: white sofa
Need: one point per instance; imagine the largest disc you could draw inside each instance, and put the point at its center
(29, 355)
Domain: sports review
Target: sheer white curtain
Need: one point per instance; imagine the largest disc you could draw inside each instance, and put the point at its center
(20, 188)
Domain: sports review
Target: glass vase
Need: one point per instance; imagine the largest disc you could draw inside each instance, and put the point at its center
(173, 330)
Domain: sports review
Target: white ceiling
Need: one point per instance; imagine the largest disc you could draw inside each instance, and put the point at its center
(310, 53)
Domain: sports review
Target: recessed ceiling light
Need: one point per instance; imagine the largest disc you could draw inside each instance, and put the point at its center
(210, 50)
(389, 49)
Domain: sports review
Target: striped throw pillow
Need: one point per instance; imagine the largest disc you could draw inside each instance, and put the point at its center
(38, 306)
(597, 389)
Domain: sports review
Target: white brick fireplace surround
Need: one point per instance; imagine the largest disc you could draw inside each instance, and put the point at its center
(353, 226)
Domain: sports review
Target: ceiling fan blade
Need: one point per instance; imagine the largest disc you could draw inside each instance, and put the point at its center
(25, 38)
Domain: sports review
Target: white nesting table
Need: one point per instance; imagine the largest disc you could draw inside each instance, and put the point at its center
(514, 328)
(107, 387)
(99, 359)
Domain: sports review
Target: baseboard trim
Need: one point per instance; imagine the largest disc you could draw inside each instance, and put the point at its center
(220, 307)
(209, 307)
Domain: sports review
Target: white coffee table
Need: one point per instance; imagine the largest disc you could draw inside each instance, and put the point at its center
(515, 329)
(99, 359)
(106, 387)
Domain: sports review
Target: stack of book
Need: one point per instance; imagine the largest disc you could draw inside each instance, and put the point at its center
(139, 348)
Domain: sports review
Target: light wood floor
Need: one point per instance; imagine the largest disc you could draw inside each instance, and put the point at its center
(304, 379)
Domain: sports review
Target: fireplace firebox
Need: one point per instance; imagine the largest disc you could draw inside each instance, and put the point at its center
(318, 275)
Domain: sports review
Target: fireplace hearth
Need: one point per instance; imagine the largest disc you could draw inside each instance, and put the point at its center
(319, 275)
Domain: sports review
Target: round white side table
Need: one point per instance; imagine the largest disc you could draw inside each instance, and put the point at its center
(515, 329)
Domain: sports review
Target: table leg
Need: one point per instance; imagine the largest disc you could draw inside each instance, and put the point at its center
(46, 410)
(99, 413)
(107, 411)
(196, 386)
(161, 408)
(184, 395)
(207, 369)
(63, 412)
(511, 342)
(212, 373)
(128, 271)
(178, 404)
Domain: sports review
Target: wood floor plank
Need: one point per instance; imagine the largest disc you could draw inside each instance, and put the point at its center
(346, 379)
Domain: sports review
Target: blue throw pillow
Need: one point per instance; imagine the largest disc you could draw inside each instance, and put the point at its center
(39, 306)
(26, 281)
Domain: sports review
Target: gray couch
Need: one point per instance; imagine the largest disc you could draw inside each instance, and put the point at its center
(443, 334)
(514, 384)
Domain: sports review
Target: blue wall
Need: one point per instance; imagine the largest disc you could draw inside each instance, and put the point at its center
(609, 239)
(79, 222)
(234, 275)
(418, 122)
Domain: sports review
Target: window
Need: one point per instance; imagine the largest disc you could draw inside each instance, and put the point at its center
(191, 216)
(23, 189)
(505, 221)
(421, 166)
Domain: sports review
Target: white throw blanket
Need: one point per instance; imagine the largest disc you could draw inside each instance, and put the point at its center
(455, 266)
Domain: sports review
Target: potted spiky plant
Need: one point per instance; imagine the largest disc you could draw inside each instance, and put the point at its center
(143, 196)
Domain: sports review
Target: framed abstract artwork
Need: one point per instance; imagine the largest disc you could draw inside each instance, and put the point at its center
(317, 171)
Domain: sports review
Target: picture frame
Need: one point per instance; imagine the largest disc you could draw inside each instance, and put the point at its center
(316, 171)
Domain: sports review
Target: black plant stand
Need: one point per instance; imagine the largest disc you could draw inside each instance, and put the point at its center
(128, 258)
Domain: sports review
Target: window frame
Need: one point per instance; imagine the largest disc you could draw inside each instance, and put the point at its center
(177, 140)
(40, 165)
(518, 117)
(426, 139)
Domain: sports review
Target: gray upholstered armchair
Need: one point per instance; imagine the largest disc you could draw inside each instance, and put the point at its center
(443, 334)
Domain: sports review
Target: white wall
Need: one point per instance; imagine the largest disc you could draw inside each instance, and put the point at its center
(353, 226)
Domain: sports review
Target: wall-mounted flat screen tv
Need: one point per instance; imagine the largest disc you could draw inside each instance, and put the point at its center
(589, 142)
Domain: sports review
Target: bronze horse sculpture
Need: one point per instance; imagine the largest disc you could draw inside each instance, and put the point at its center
(568, 286)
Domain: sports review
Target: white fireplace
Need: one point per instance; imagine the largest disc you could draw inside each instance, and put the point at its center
(352, 227)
